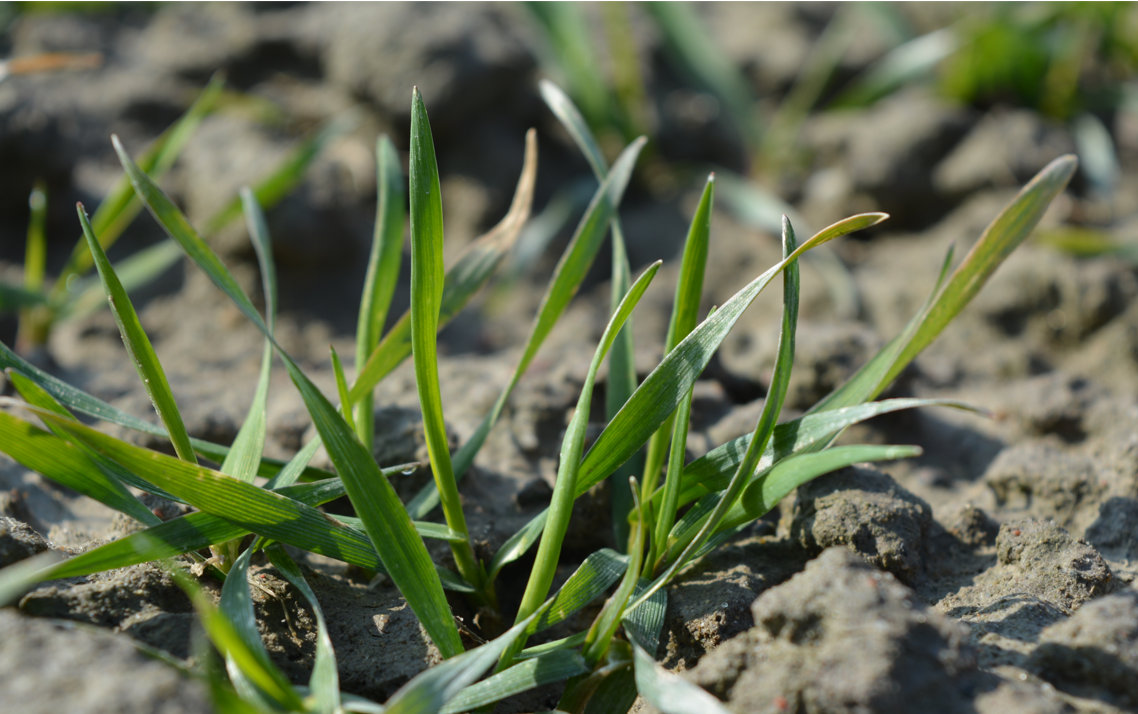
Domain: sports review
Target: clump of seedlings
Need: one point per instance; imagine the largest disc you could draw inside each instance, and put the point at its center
(669, 513)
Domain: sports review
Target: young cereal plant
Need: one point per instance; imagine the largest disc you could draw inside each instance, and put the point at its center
(673, 514)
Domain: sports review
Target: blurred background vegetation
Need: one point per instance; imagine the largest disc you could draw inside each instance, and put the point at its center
(1074, 64)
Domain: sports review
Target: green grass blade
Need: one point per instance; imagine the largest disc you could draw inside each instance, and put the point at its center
(591, 579)
(665, 517)
(570, 117)
(765, 492)
(685, 315)
(244, 455)
(178, 227)
(260, 511)
(473, 269)
(564, 489)
(711, 472)
(556, 666)
(35, 252)
(67, 465)
(579, 255)
(693, 265)
(567, 277)
(669, 692)
(427, 278)
(622, 369)
(599, 638)
(178, 536)
(325, 680)
(644, 623)
(388, 524)
(263, 247)
(620, 385)
(33, 394)
(35, 262)
(402, 551)
(563, 643)
(138, 345)
(297, 465)
(1002, 236)
(434, 688)
(252, 662)
(87, 404)
(16, 579)
(342, 391)
(236, 606)
(999, 239)
(382, 272)
(183, 534)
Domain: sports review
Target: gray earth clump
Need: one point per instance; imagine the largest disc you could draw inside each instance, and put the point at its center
(1095, 650)
(378, 641)
(142, 601)
(1042, 558)
(712, 604)
(868, 511)
(1040, 480)
(843, 636)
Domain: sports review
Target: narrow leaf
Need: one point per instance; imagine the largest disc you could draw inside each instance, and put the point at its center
(592, 578)
(138, 345)
(427, 278)
(669, 692)
(527, 674)
(236, 606)
(251, 661)
(685, 315)
(999, 239)
(472, 270)
(573, 445)
(67, 465)
(434, 688)
(263, 512)
(663, 389)
(382, 272)
(765, 492)
(710, 472)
